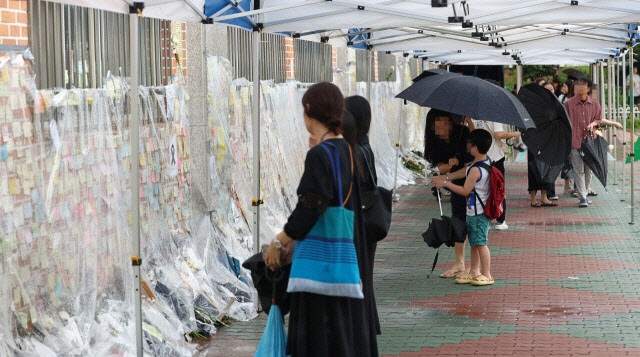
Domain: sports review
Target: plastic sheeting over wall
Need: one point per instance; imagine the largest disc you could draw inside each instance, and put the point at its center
(65, 202)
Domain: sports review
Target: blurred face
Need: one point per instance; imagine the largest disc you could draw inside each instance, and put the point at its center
(564, 89)
(635, 70)
(442, 127)
(309, 124)
(472, 149)
(549, 87)
(581, 89)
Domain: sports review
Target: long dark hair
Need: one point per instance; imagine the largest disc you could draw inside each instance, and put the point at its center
(350, 134)
(430, 137)
(361, 111)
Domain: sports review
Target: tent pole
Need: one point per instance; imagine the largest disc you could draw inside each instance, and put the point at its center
(624, 124)
(134, 60)
(255, 127)
(633, 132)
(396, 197)
(612, 131)
(614, 111)
(369, 68)
(518, 77)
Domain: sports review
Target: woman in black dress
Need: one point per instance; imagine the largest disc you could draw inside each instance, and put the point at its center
(446, 149)
(321, 325)
(356, 131)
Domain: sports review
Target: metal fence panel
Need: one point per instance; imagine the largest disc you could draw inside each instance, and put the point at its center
(75, 46)
(272, 56)
(386, 67)
(312, 61)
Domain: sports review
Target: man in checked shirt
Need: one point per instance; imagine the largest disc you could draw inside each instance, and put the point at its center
(585, 114)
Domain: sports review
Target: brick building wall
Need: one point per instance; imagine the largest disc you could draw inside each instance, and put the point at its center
(290, 58)
(14, 22)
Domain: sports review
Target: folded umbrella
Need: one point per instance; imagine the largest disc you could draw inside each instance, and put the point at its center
(594, 154)
(469, 96)
(550, 140)
(265, 287)
(445, 230)
(274, 339)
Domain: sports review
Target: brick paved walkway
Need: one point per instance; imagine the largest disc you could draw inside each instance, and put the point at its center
(566, 284)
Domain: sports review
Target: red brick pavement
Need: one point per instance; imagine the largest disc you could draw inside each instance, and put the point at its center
(526, 344)
(530, 305)
(546, 239)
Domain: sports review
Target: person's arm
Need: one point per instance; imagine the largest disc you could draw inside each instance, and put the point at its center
(503, 135)
(469, 184)
(315, 190)
(608, 122)
(470, 124)
(449, 176)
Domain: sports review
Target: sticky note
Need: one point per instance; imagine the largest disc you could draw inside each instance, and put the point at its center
(17, 129)
(3, 152)
(28, 210)
(13, 189)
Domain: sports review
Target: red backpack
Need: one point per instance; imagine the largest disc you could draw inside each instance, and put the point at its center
(494, 207)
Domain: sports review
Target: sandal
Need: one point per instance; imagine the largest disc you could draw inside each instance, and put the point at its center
(537, 204)
(592, 193)
(481, 280)
(451, 273)
(550, 204)
(464, 278)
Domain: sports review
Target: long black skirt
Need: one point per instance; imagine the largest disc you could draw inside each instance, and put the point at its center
(319, 325)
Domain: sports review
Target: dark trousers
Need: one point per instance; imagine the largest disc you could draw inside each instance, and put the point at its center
(500, 165)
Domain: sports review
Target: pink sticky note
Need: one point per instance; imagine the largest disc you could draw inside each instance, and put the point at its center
(27, 236)
(181, 196)
(213, 132)
(153, 176)
(141, 192)
(80, 211)
(56, 214)
(151, 145)
(178, 164)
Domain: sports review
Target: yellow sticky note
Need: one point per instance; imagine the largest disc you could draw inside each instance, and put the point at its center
(5, 76)
(245, 96)
(13, 189)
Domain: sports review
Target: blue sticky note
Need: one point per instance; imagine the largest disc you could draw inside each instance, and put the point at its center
(28, 210)
(5, 154)
(40, 214)
(34, 196)
(58, 288)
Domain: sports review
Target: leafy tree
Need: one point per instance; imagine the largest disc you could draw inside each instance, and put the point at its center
(531, 72)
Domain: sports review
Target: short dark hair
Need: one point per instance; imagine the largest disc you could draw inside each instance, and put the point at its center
(481, 139)
(584, 80)
(324, 102)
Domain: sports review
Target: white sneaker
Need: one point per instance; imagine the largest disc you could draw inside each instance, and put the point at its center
(502, 226)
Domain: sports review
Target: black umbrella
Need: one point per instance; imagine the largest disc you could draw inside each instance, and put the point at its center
(431, 72)
(594, 154)
(573, 73)
(550, 140)
(447, 231)
(469, 96)
(544, 172)
(269, 289)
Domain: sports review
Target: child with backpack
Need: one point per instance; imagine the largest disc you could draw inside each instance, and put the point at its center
(484, 192)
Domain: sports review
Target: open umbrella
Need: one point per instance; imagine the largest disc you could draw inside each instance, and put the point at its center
(431, 72)
(469, 96)
(550, 140)
(446, 230)
(594, 154)
(274, 338)
(573, 73)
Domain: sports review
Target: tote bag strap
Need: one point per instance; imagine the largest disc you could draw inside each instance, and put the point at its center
(334, 160)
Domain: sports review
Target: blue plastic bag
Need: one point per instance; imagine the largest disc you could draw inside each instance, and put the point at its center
(274, 338)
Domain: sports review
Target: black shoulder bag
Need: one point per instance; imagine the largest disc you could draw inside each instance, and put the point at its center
(376, 207)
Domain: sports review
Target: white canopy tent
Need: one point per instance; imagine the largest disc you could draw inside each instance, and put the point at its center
(471, 32)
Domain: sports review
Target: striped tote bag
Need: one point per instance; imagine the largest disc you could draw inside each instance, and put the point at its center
(325, 261)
